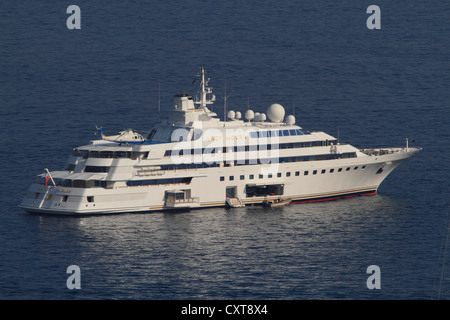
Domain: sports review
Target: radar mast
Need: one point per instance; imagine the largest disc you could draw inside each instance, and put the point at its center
(204, 91)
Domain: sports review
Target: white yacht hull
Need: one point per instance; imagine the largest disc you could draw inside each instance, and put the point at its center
(326, 180)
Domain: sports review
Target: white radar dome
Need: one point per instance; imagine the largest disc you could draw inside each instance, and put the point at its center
(238, 115)
(290, 119)
(231, 114)
(262, 117)
(275, 112)
(249, 115)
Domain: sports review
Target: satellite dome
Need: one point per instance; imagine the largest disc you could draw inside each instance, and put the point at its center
(231, 114)
(275, 112)
(257, 116)
(262, 117)
(290, 119)
(249, 115)
(238, 115)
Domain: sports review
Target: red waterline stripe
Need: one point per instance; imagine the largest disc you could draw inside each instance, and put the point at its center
(364, 193)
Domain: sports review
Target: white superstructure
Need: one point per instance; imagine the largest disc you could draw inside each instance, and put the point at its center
(195, 160)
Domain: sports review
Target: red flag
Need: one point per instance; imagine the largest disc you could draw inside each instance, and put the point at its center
(46, 179)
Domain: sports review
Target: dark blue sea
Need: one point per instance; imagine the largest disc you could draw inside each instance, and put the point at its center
(372, 88)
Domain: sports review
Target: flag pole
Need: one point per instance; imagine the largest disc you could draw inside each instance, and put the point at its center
(51, 178)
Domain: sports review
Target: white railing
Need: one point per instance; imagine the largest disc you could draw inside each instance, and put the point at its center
(380, 152)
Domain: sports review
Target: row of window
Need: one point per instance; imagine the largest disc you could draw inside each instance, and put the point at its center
(64, 198)
(158, 181)
(186, 180)
(288, 174)
(256, 134)
(274, 146)
(276, 133)
(69, 183)
(240, 162)
(96, 169)
(104, 184)
(183, 166)
(109, 154)
(209, 150)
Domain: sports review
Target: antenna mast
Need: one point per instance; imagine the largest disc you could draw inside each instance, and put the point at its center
(293, 107)
(338, 133)
(204, 90)
(225, 98)
(225, 103)
(159, 100)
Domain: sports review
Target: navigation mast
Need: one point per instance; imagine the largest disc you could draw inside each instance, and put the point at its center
(204, 90)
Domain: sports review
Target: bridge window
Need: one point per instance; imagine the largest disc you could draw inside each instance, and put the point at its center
(96, 169)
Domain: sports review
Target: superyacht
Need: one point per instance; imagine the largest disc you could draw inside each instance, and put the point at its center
(193, 159)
